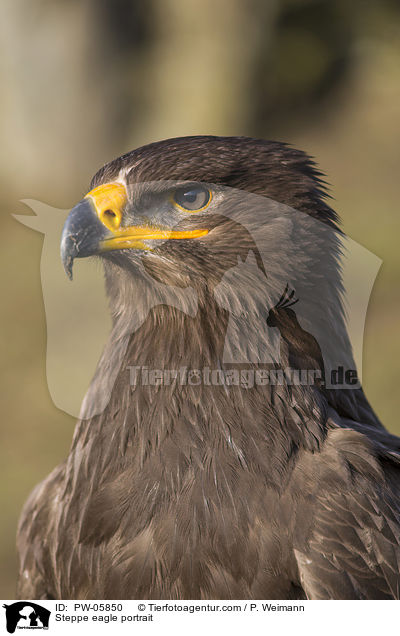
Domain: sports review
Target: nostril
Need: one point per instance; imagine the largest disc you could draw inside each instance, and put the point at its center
(110, 219)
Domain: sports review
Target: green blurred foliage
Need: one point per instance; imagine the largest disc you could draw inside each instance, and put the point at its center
(83, 82)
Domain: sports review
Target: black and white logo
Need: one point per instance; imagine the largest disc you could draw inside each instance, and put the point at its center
(26, 615)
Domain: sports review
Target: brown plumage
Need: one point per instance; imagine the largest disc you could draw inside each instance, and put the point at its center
(186, 490)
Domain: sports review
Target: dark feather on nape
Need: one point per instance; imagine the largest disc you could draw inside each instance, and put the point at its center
(287, 299)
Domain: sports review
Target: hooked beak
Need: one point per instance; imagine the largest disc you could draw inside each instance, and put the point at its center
(94, 226)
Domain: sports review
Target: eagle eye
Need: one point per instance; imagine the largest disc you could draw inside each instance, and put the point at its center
(192, 198)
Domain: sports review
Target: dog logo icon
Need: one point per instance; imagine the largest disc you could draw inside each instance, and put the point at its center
(26, 615)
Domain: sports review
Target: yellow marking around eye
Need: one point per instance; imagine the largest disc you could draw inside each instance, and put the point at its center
(176, 204)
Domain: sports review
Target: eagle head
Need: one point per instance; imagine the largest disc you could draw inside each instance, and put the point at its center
(188, 208)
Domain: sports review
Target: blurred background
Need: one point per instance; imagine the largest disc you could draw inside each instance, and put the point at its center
(85, 81)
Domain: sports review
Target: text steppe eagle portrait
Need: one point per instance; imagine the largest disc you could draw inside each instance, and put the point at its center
(186, 486)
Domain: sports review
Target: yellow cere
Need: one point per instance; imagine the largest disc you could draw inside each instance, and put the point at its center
(109, 200)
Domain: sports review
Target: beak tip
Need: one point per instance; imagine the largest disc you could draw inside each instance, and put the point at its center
(67, 264)
(68, 270)
(67, 257)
